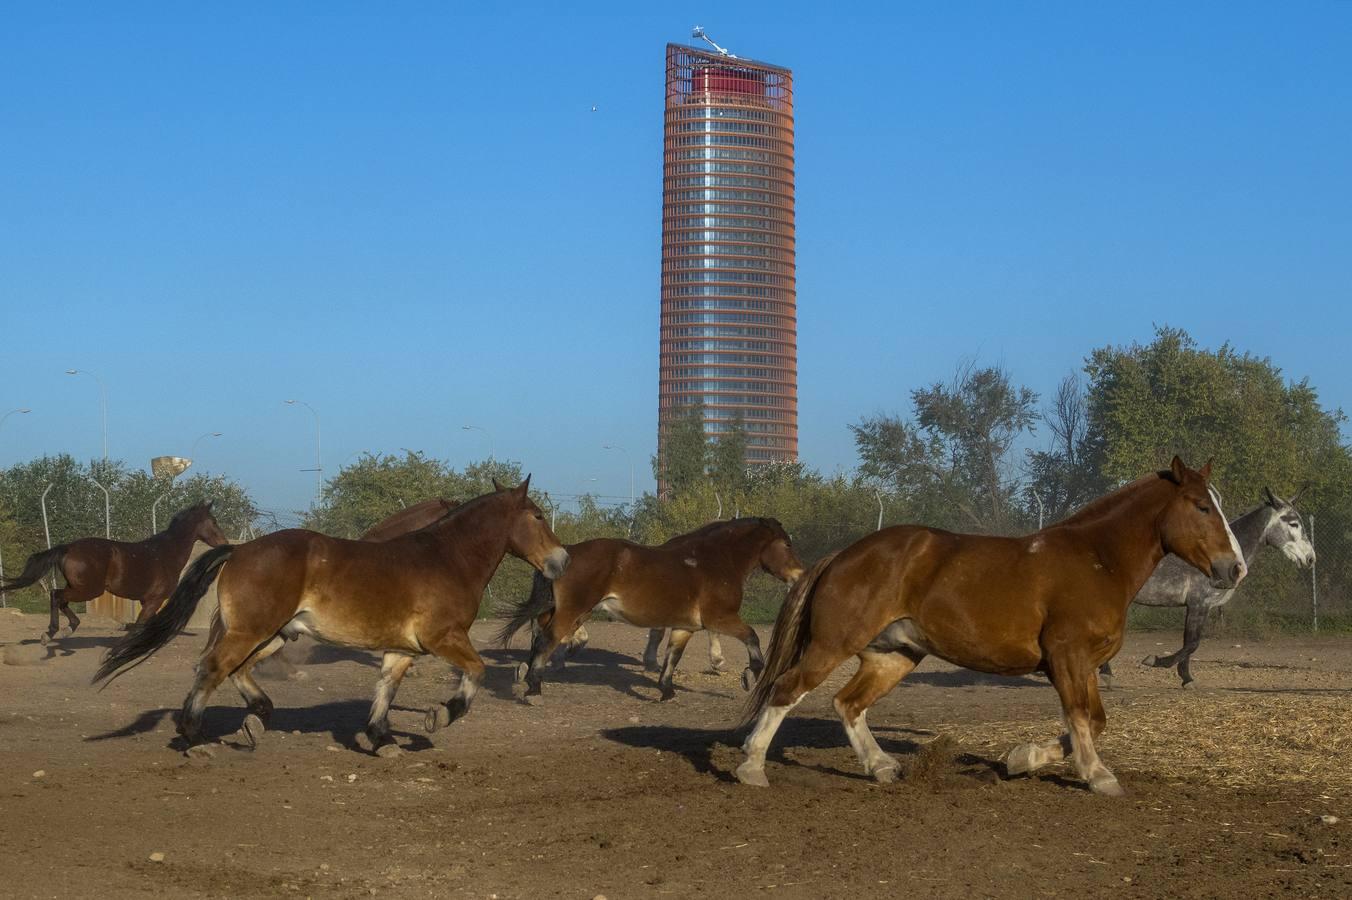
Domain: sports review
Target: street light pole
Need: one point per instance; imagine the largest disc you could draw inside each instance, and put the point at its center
(629, 460)
(192, 453)
(486, 434)
(103, 403)
(319, 465)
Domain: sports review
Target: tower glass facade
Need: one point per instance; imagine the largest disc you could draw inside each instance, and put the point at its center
(729, 335)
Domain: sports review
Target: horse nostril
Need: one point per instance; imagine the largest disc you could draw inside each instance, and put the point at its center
(1236, 572)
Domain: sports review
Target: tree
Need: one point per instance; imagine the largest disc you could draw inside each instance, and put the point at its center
(1061, 479)
(1147, 402)
(727, 458)
(952, 460)
(683, 455)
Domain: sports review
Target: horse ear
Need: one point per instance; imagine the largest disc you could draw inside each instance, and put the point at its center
(1205, 471)
(1176, 468)
(524, 487)
(496, 486)
(1271, 500)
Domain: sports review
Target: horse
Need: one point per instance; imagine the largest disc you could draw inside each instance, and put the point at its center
(145, 571)
(1276, 523)
(1054, 601)
(690, 583)
(410, 595)
(411, 518)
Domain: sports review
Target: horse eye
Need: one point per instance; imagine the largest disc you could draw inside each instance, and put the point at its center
(1203, 509)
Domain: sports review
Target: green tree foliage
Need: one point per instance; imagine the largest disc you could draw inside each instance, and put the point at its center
(727, 458)
(953, 460)
(683, 459)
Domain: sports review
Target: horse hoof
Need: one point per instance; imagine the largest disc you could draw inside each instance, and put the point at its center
(1020, 760)
(752, 775)
(667, 694)
(437, 717)
(718, 665)
(389, 750)
(1151, 660)
(748, 679)
(886, 773)
(1187, 685)
(253, 729)
(521, 672)
(1106, 786)
(1105, 682)
(650, 665)
(200, 751)
(47, 638)
(536, 699)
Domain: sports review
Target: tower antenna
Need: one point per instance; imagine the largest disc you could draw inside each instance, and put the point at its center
(698, 32)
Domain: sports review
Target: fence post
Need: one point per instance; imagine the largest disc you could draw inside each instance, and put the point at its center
(1314, 580)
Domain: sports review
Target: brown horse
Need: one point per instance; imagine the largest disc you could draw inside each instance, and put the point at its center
(1054, 602)
(411, 518)
(407, 596)
(145, 571)
(690, 583)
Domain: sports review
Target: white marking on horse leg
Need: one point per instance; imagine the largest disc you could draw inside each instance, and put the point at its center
(880, 765)
(392, 669)
(1031, 757)
(752, 771)
(1087, 763)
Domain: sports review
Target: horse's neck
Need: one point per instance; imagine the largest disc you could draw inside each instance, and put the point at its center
(743, 550)
(174, 544)
(1250, 528)
(1128, 537)
(478, 538)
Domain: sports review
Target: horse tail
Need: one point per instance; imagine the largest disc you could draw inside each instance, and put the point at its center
(38, 565)
(789, 639)
(142, 643)
(541, 600)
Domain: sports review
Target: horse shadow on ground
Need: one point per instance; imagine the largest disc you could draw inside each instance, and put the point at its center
(971, 678)
(589, 666)
(69, 646)
(341, 720)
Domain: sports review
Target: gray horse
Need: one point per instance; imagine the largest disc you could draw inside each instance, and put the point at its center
(1276, 523)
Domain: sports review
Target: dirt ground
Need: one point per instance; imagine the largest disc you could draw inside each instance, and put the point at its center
(603, 790)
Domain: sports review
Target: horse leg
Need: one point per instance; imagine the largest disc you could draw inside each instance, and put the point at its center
(878, 673)
(148, 609)
(73, 619)
(675, 647)
(221, 659)
(455, 647)
(55, 624)
(716, 660)
(393, 667)
(259, 703)
(1085, 719)
(650, 651)
(789, 690)
(1192, 637)
(733, 626)
(548, 636)
(574, 645)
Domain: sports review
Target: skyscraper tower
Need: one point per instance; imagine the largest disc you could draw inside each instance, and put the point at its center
(729, 335)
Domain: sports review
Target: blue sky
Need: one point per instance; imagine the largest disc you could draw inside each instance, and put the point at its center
(411, 219)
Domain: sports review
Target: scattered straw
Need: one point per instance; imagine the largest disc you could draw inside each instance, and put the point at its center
(1241, 740)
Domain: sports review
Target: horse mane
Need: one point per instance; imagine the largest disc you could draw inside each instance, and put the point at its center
(183, 514)
(716, 526)
(1097, 507)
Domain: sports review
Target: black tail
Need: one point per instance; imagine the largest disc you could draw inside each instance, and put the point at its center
(38, 565)
(541, 600)
(139, 645)
(789, 640)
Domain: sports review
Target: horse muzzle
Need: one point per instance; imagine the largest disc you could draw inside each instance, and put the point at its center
(1226, 574)
(555, 563)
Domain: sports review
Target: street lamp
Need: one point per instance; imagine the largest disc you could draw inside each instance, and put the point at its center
(631, 469)
(103, 401)
(486, 434)
(319, 465)
(192, 453)
(21, 410)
